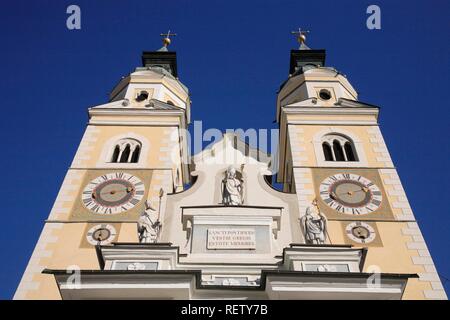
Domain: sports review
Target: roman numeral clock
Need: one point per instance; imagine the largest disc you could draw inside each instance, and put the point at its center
(350, 194)
(356, 198)
(112, 195)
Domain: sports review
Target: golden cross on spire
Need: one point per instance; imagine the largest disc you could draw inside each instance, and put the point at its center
(166, 39)
(301, 37)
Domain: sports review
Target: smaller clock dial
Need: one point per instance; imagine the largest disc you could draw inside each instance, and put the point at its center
(101, 234)
(350, 193)
(113, 193)
(360, 232)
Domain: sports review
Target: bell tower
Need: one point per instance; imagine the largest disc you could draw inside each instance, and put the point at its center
(132, 154)
(332, 151)
(123, 226)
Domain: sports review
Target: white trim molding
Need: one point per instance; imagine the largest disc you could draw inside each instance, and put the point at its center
(423, 258)
(292, 109)
(357, 143)
(86, 146)
(379, 146)
(297, 145)
(397, 194)
(104, 160)
(35, 266)
(66, 195)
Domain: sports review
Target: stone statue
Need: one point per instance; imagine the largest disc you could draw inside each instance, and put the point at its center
(314, 224)
(149, 225)
(231, 188)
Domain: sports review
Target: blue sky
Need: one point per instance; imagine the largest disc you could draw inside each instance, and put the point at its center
(233, 55)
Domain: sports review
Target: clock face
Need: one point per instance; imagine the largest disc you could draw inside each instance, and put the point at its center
(101, 234)
(113, 193)
(360, 232)
(350, 193)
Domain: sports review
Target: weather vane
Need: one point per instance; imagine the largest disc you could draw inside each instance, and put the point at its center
(166, 39)
(301, 37)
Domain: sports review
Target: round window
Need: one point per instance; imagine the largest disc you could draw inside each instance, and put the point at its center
(143, 95)
(324, 94)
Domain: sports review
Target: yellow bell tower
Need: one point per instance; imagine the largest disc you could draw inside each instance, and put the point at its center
(131, 156)
(333, 156)
(121, 221)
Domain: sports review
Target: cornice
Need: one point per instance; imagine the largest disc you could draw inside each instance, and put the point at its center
(331, 110)
(134, 112)
(180, 114)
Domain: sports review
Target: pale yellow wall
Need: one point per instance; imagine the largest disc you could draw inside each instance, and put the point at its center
(392, 257)
(402, 248)
(370, 147)
(66, 203)
(157, 138)
(70, 254)
(60, 243)
(67, 246)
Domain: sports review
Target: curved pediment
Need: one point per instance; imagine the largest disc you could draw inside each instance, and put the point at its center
(232, 151)
(231, 198)
(230, 157)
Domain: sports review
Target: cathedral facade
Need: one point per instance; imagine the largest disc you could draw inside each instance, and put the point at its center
(126, 226)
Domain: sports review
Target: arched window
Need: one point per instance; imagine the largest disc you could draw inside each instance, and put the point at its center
(350, 152)
(116, 153)
(338, 147)
(126, 151)
(135, 155)
(327, 152)
(338, 153)
(125, 154)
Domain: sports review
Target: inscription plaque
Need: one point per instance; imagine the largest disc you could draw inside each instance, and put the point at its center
(231, 239)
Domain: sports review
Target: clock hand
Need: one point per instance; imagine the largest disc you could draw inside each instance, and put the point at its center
(350, 193)
(128, 190)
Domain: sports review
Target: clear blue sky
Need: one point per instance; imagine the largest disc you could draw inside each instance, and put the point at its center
(233, 55)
